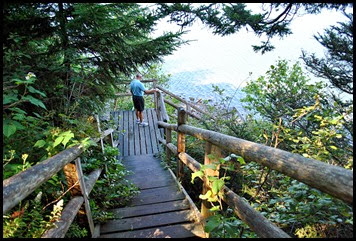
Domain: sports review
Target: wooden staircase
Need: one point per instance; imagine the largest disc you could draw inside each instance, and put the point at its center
(162, 209)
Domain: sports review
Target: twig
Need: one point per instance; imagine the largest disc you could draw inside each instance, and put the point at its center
(61, 195)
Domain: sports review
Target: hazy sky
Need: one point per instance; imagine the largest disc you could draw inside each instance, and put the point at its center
(231, 58)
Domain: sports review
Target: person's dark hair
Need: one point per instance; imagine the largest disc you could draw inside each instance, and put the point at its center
(138, 76)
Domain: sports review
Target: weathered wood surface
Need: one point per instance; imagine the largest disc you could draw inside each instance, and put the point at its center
(184, 101)
(71, 209)
(263, 227)
(19, 186)
(189, 112)
(134, 139)
(334, 180)
(162, 108)
(171, 231)
(160, 210)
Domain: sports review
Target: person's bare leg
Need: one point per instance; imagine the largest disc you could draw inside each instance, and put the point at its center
(140, 114)
(137, 116)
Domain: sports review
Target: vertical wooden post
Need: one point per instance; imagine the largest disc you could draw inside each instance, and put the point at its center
(85, 195)
(116, 102)
(155, 95)
(188, 108)
(101, 140)
(216, 152)
(111, 140)
(158, 106)
(182, 117)
(168, 133)
(99, 129)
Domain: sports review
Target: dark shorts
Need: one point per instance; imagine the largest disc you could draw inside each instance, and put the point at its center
(139, 102)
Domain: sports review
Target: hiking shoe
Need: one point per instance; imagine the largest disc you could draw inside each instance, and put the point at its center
(143, 124)
(137, 121)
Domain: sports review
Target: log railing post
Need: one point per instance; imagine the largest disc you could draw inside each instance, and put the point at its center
(216, 153)
(158, 106)
(168, 133)
(189, 109)
(154, 82)
(182, 117)
(101, 141)
(85, 195)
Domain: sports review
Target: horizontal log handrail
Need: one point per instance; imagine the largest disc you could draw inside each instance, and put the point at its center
(184, 101)
(256, 221)
(334, 180)
(19, 186)
(177, 107)
(71, 209)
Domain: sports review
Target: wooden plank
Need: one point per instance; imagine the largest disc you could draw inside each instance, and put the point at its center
(143, 183)
(146, 221)
(131, 133)
(126, 133)
(154, 195)
(142, 139)
(137, 139)
(150, 209)
(147, 133)
(152, 127)
(140, 171)
(157, 133)
(96, 231)
(19, 186)
(120, 117)
(172, 231)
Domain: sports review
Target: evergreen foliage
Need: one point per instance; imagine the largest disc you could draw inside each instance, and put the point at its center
(229, 18)
(337, 66)
(62, 62)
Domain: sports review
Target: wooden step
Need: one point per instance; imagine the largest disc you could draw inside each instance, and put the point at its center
(129, 224)
(172, 231)
(150, 209)
(156, 195)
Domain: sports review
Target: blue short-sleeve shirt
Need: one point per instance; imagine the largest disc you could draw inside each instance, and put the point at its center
(137, 87)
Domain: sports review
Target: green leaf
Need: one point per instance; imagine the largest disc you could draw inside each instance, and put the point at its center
(34, 101)
(18, 125)
(35, 91)
(217, 185)
(40, 143)
(9, 98)
(18, 110)
(67, 138)
(8, 129)
(196, 174)
(206, 195)
(215, 208)
(241, 160)
(58, 141)
(19, 117)
(212, 223)
(208, 166)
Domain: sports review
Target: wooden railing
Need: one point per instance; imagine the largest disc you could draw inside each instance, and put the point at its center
(336, 181)
(19, 186)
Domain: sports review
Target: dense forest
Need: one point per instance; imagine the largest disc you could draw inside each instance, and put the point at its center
(64, 62)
